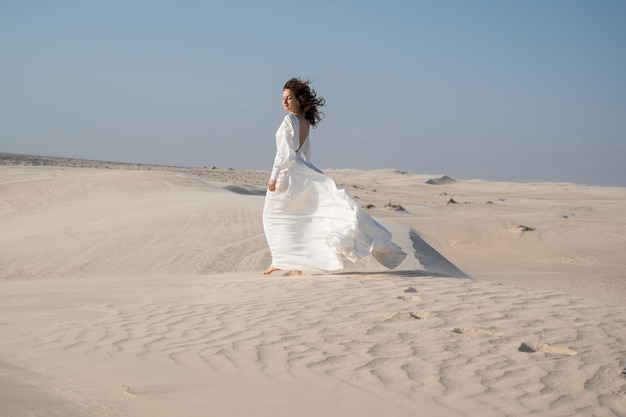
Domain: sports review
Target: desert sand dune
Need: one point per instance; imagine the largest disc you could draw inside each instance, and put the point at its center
(135, 291)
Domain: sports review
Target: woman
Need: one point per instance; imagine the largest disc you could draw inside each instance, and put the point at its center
(311, 225)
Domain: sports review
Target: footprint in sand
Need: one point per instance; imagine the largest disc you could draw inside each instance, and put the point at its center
(416, 315)
(542, 347)
(420, 315)
(126, 390)
(470, 330)
(409, 298)
(522, 228)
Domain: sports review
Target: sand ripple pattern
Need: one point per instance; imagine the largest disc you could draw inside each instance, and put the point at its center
(459, 340)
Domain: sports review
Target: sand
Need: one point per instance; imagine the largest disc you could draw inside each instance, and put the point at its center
(137, 290)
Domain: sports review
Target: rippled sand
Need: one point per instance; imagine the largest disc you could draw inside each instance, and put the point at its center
(136, 291)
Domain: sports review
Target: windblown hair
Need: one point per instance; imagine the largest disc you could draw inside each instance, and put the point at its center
(309, 101)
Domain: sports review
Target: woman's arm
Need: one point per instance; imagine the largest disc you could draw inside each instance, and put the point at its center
(285, 153)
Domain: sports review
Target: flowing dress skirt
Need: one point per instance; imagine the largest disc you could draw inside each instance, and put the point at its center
(312, 226)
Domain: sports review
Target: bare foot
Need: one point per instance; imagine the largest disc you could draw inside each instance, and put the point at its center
(293, 273)
(270, 270)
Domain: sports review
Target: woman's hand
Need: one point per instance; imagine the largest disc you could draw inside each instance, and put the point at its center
(271, 185)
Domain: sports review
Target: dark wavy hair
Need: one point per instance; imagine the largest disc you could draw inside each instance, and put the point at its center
(309, 101)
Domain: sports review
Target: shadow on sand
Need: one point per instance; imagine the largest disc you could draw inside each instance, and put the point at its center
(244, 191)
(433, 261)
(435, 265)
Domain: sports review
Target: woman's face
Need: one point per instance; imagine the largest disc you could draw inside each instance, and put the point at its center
(290, 102)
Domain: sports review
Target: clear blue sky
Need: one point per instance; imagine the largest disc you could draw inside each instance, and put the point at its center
(528, 90)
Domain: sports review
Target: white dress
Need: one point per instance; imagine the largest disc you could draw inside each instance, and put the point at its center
(311, 225)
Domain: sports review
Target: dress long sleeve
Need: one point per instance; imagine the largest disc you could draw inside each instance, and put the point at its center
(286, 145)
